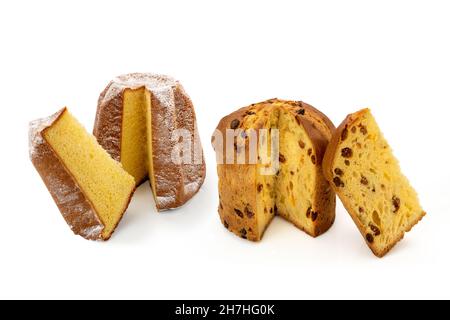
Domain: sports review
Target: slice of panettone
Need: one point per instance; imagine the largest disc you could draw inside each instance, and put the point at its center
(366, 176)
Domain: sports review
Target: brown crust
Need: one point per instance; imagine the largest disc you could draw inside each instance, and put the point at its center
(316, 115)
(107, 118)
(108, 130)
(320, 117)
(187, 120)
(238, 173)
(230, 219)
(74, 206)
(328, 173)
(238, 221)
(78, 211)
(320, 130)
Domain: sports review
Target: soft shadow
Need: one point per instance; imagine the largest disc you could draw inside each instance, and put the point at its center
(142, 220)
(137, 221)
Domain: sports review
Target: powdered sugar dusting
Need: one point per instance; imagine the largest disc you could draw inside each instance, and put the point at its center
(73, 205)
(93, 232)
(154, 83)
(35, 138)
(178, 182)
(191, 188)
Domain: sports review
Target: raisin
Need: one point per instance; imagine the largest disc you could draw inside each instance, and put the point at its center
(363, 129)
(309, 151)
(354, 129)
(361, 209)
(375, 230)
(338, 182)
(292, 173)
(260, 187)
(369, 238)
(282, 158)
(239, 213)
(226, 225)
(339, 172)
(313, 159)
(271, 210)
(347, 152)
(344, 134)
(243, 232)
(249, 113)
(314, 215)
(249, 213)
(376, 217)
(234, 124)
(308, 212)
(347, 163)
(364, 180)
(396, 203)
(301, 144)
(275, 209)
(301, 111)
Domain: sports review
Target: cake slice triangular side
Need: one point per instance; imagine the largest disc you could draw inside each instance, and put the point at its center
(360, 166)
(91, 190)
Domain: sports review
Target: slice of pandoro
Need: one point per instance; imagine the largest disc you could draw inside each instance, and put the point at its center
(91, 190)
(360, 166)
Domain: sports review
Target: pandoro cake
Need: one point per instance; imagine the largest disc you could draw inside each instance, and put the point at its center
(139, 119)
(91, 190)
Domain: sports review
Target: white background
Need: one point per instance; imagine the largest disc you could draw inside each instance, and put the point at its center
(340, 56)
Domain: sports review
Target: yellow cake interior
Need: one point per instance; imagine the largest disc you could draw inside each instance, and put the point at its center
(298, 174)
(149, 140)
(265, 179)
(103, 181)
(290, 192)
(134, 136)
(373, 187)
(136, 143)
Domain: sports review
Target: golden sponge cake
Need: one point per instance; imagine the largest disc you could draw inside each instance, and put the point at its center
(141, 121)
(91, 190)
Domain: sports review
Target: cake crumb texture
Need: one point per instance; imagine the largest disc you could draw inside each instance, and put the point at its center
(363, 171)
